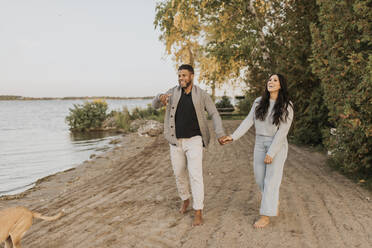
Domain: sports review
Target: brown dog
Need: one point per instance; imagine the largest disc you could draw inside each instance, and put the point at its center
(15, 221)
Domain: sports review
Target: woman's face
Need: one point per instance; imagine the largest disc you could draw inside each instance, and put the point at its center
(273, 84)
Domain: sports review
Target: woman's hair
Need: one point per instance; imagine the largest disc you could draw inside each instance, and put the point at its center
(280, 110)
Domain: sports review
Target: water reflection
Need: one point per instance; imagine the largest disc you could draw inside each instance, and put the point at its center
(96, 135)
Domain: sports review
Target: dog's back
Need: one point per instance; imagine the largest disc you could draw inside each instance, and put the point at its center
(9, 217)
(15, 221)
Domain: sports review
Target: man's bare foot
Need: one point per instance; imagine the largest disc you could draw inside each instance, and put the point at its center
(184, 207)
(198, 219)
(262, 222)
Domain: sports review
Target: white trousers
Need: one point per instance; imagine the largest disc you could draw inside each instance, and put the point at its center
(187, 156)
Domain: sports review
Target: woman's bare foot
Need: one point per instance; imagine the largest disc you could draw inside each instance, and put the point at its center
(262, 222)
(198, 219)
(184, 207)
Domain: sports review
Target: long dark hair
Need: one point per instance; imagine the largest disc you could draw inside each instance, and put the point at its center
(280, 110)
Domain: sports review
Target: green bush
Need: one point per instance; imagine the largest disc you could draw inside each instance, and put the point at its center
(244, 105)
(288, 51)
(122, 119)
(91, 116)
(342, 59)
(224, 103)
(148, 113)
(87, 116)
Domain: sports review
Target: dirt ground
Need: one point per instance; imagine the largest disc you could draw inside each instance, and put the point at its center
(128, 198)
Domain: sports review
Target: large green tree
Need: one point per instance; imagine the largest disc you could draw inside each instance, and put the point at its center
(342, 45)
(289, 47)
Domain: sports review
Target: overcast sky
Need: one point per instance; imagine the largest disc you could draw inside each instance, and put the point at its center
(82, 48)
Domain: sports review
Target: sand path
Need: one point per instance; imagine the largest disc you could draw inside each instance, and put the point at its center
(128, 198)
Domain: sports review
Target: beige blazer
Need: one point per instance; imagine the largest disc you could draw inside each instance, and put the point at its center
(202, 102)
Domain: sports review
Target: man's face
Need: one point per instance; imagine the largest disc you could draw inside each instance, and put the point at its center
(185, 78)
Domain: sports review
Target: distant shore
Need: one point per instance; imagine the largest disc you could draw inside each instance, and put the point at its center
(17, 98)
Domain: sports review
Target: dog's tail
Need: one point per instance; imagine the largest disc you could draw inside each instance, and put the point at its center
(48, 218)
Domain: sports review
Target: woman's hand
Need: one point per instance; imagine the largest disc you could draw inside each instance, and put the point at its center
(268, 159)
(225, 140)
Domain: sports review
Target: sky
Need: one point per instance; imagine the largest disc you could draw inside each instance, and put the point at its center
(82, 48)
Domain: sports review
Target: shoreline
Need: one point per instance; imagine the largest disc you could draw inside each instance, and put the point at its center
(113, 136)
(95, 160)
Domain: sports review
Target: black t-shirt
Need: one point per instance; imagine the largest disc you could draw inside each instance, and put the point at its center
(187, 124)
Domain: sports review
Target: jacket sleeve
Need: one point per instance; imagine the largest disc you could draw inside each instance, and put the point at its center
(213, 113)
(156, 103)
(281, 134)
(246, 123)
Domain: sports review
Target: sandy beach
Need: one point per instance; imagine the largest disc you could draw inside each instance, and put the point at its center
(127, 198)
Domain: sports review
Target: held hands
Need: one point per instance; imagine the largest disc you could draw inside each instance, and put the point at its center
(268, 159)
(225, 140)
(164, 98)
(228, 139)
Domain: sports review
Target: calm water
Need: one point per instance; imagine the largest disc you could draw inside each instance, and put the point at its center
(35, 141)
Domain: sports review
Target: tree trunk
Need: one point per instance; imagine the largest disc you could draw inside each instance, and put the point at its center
(213, 86)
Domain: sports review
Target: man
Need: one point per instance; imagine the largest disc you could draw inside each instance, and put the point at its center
(186, 129)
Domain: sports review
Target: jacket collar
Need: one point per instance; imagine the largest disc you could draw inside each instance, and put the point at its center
(194, 96)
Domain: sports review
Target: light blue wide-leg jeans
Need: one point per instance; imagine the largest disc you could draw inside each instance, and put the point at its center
(268, 176)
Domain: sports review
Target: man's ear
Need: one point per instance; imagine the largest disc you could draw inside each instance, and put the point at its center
(192, 77)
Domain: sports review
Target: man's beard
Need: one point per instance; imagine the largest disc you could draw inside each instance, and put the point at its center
(186, 85)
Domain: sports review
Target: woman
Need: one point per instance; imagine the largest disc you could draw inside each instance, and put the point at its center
(272, 115)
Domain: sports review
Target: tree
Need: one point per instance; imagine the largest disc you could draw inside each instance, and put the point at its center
(342, 59)
(186, 28)
(265, 37)
(178, 21)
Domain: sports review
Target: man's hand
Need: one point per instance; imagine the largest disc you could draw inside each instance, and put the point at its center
(225, 140)
(164, 98)
(268, 159)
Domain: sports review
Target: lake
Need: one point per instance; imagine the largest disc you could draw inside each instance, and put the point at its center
(35, 140)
